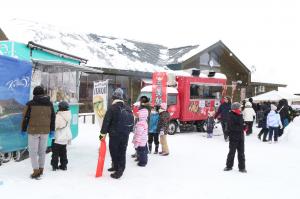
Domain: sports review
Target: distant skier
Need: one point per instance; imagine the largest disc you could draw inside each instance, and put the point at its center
(63, 136)
(236, 138)
(39, 122)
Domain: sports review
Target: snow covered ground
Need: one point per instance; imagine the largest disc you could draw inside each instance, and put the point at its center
(194, 169)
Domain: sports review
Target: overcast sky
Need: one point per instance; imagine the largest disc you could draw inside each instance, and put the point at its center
(262, 33)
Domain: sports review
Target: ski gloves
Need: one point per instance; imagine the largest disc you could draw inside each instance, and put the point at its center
(102, 136)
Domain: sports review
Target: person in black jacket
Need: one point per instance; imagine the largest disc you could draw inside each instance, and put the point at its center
(283, 110)
(236, 138)
(262, 123)
(118, 135)
(223, 111)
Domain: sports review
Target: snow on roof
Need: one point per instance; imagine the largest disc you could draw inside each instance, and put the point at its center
(101, 51)
(275, 96)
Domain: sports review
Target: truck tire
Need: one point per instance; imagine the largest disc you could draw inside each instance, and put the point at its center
(201, 126)
(172, 127)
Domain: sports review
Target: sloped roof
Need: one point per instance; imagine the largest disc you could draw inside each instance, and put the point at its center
(101, 51)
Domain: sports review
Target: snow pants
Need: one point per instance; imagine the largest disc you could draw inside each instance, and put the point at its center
(239, 146)
(275, 130)
(249, 126)
(142, 155)
(37, 145)
(164, 144)
(264, 132)
(59, 154)
(117, 148)
(151, 137)
(225, 129)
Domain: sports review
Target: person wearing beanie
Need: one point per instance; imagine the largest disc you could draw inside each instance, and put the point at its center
(39, 122)
(163, 128)
(236, 138)
(273, 123)
(223, 112)
(152, 132)
(118, 123)
(62, 137)
(140, 137)
(248, 116)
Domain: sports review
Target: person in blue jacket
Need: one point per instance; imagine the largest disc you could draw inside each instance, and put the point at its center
(152, 133)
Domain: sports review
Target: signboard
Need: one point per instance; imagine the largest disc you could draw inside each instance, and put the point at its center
(159, 88)
(15, 79)
(100, 99)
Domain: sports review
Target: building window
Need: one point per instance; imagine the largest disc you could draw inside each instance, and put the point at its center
(261, 89)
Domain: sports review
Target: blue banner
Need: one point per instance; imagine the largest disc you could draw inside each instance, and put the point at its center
(15, 79)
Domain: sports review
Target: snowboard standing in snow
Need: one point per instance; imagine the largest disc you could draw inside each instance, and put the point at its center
(101, 159)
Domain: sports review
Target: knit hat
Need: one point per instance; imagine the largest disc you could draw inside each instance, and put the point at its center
(235, 106)
(63, 105)
(118, 94)
(273, 107)
(38, 90)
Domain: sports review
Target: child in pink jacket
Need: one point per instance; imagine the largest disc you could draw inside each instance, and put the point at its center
(140, 137)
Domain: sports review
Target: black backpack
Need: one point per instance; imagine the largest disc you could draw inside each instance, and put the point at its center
(126, 120)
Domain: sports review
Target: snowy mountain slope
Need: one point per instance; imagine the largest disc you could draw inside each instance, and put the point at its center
(193, 170)
(101, 51)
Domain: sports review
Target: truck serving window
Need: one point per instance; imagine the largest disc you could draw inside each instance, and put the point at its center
(171, 99)
(198, 91)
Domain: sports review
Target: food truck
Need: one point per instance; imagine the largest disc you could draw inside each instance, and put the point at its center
(24, 66)
(190, 98)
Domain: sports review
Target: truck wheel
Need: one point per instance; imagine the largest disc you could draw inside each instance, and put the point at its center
(172, 128)
(201, 126)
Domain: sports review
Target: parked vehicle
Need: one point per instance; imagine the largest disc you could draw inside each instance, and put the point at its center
(190, 99)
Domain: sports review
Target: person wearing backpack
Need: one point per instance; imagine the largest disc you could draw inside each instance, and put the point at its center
(118, 123)
(62, 137)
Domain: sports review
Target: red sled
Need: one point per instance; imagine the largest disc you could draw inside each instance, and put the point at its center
(101, 158)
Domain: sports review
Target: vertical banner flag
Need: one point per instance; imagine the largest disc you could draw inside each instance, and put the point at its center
(100, 99)
(159, 88)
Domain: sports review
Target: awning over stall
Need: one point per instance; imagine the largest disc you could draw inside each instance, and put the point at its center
(52, 66)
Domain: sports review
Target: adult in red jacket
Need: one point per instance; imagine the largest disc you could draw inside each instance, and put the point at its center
(236, 138)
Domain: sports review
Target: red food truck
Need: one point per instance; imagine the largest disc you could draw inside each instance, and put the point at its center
(190, 99)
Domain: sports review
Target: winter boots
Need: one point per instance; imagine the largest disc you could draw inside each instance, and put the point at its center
(156, 149)
(36, 174)
(117, 174)
(243, 170)
(150, 148)
(41, 170)
(227, 169)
